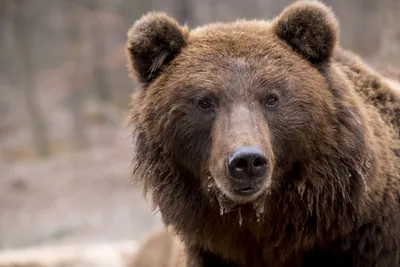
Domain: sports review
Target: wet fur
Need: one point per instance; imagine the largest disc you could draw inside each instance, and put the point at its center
(333, 200)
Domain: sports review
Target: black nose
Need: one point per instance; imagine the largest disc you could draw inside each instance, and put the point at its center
(247, 162)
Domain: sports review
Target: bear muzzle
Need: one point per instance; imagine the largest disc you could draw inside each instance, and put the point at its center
(247, 167)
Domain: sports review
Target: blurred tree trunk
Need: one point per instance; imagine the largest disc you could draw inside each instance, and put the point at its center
(103, 97)
(390, 40)
(119, 94)
(134, 9)
(74, 14)
(183, 11)
(101, 85)
(21, 51)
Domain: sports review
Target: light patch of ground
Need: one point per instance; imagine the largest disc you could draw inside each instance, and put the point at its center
(73, 199)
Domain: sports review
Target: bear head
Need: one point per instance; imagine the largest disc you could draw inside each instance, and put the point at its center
(239, 109)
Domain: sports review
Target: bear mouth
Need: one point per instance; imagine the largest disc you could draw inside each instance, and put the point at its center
(229, 198)
(239, 193)
(245, 191)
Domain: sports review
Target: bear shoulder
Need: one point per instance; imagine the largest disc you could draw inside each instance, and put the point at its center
(159, 248)
(378, 89)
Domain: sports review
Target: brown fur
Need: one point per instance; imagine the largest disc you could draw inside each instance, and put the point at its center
(331, 194)
(159, 249)
(392, 78)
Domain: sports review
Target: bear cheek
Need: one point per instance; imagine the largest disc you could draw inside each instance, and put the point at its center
(293, 132)
(188, 139)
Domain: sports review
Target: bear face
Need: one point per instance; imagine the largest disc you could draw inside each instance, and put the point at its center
(236, 105)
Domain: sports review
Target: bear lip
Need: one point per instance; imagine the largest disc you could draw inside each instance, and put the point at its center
(241, 194)
(246, 191)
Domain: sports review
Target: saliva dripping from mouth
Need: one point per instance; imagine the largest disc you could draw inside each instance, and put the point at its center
(226, 205)
(259, 207)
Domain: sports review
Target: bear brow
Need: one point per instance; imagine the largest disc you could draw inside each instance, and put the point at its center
(238, 62)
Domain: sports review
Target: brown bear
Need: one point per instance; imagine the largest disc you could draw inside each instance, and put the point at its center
(264, 143)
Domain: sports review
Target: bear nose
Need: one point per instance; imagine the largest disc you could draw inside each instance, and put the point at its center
(247, 162)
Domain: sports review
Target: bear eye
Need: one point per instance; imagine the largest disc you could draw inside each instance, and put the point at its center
(205, 103)
(271, 101)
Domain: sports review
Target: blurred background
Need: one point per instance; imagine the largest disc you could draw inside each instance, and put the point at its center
(65, 152)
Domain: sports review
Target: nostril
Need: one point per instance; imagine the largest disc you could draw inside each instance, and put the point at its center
(259, 162)
(259, 167)
(241, 164)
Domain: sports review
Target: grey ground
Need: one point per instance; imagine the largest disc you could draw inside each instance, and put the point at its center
(73, 199)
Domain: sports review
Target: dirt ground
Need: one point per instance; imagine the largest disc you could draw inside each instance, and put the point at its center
(73, 199)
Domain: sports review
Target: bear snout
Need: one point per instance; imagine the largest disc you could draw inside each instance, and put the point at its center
(247, 162)
(247, 168)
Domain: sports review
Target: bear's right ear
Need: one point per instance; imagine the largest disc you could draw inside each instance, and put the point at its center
(153, 41)
(310, 28)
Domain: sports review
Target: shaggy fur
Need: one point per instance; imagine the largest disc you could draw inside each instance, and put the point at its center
(332, 191)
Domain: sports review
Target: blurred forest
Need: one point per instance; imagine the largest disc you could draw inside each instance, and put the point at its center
(64, 95)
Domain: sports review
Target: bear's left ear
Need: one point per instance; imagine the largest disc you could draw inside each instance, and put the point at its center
(153, 41)
(310, 28)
